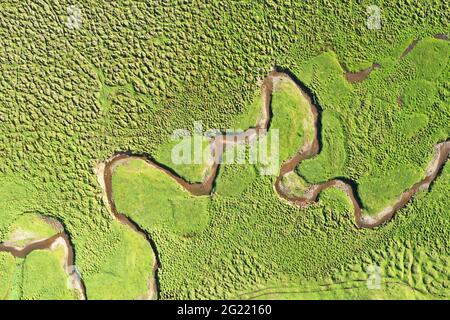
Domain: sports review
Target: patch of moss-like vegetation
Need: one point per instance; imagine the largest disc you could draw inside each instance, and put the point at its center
(133, 72)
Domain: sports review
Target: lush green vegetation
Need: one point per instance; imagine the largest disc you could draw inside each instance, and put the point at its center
(127, 272)
(40, 275)
(292, 117)
(16, 199)
(335, 203)
(155, 201)
(231, 181)
(368, 135)
(392, 289)
(331, 160)
(253, 113)
(291, 126)
(189, 156)
(44, 277)
(378, 192)
(7, 268)
(133, 72)
(28, 228)
(293, 185)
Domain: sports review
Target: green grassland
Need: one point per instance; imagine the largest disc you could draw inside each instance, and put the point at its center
(336, 204)
(16, 198)
(44, 277)
(136, 71)
(7, 268)
(155, 201)
(291, 126)
(40, 275)
(127, 271)
(292, 116)
(28, 228)
(349, 290)
(189, 156)
(391, 289)
(357, 119)
(293, 184)
(405, 271)
(331, 160)
(233, 179)
(252, 114)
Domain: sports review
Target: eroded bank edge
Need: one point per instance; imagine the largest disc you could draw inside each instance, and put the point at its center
(52, 243)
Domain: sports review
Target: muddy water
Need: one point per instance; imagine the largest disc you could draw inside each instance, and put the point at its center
(441, 36)
(362, 221)
(410, 47)
(153, 279)
(308, 151)
(413, 44)
(348, 186)
(106, 175)
(356, 77)
(49, 244)
(38, 245)
(221, 142)
(218, 145)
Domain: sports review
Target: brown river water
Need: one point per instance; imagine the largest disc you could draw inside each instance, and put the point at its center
(48, 244)
(356, 77)
(306, 152)
(221, 142)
